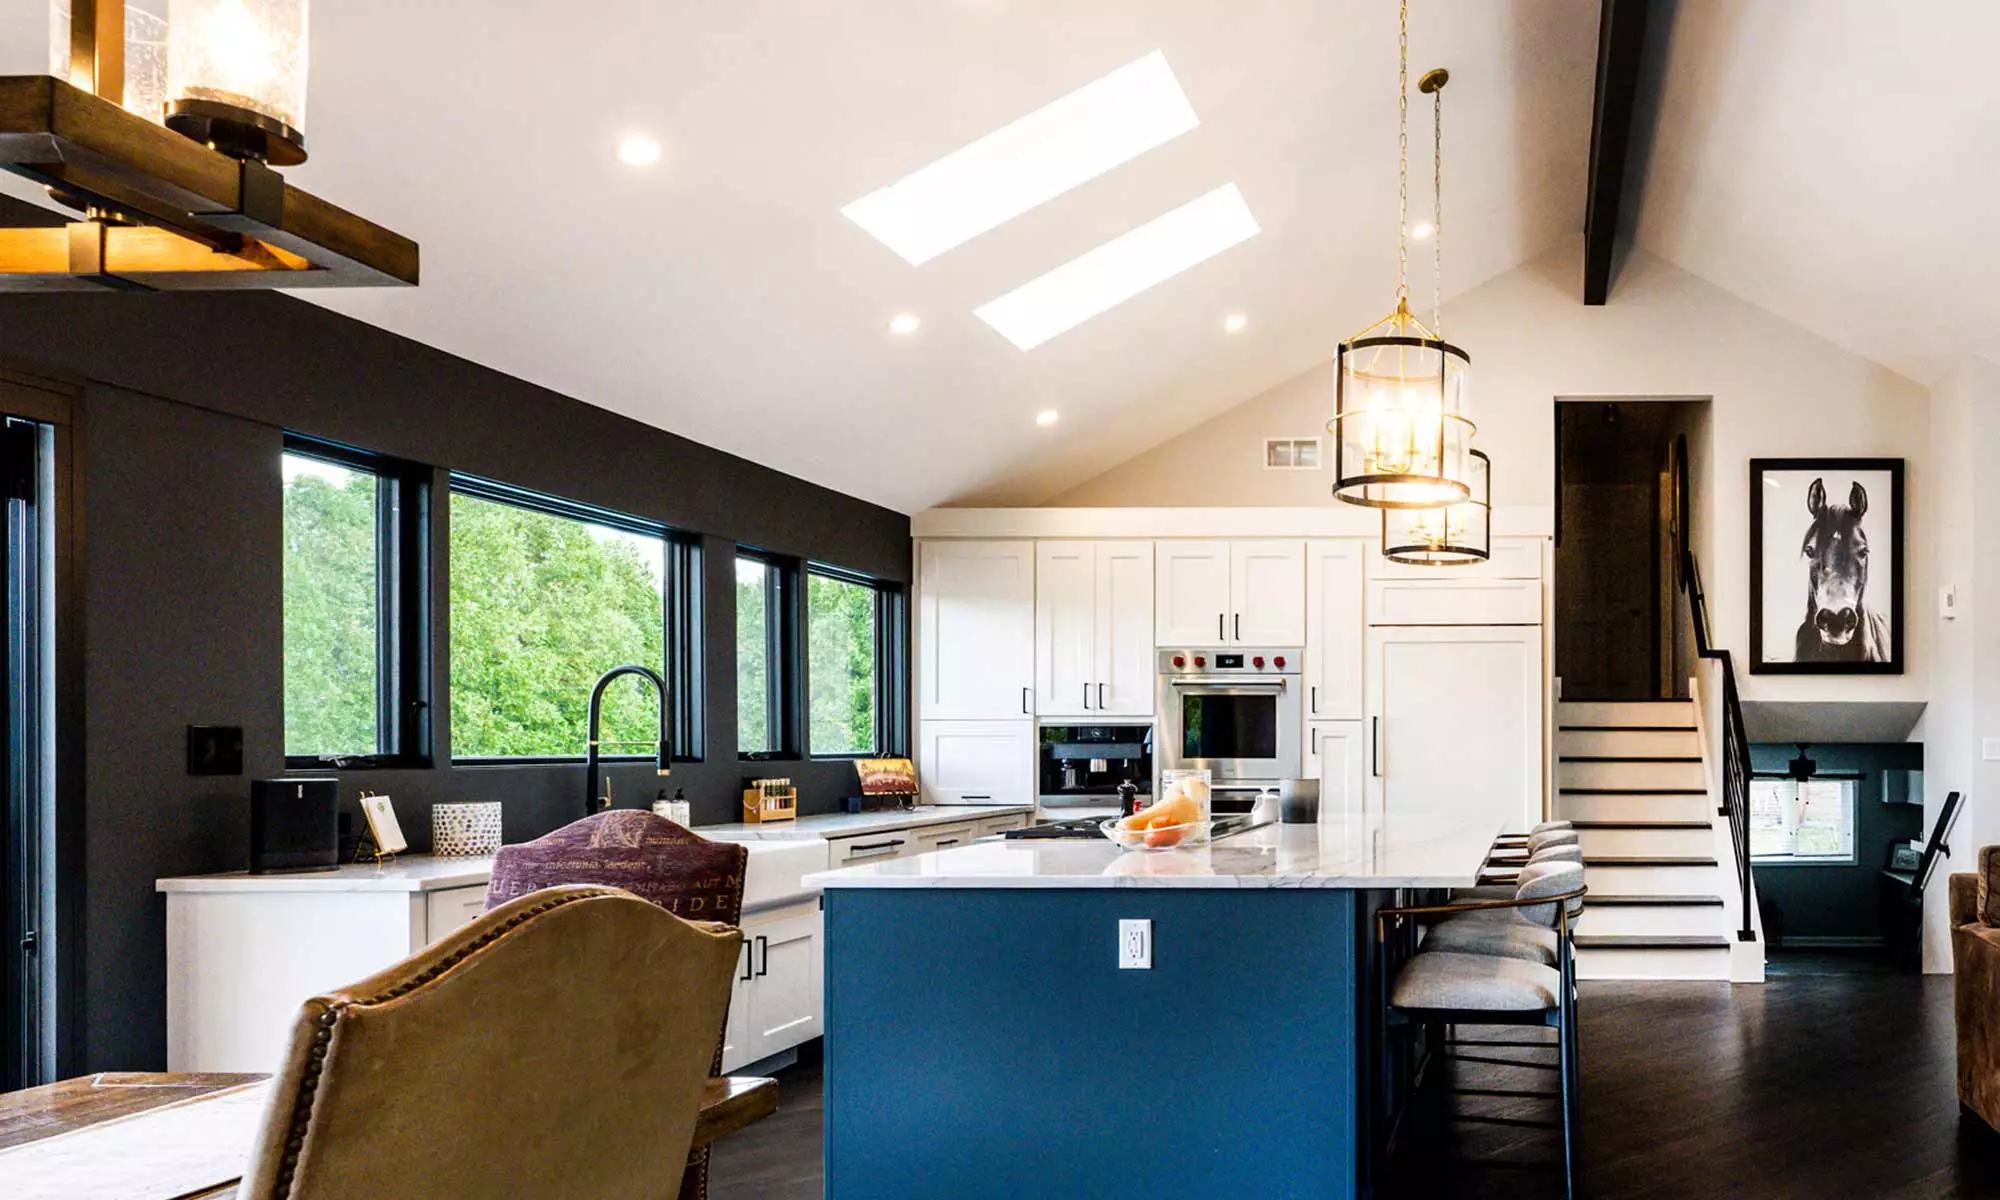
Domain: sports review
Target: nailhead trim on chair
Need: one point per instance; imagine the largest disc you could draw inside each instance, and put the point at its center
(302, 1108)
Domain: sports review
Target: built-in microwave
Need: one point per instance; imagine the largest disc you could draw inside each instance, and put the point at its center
(1081, 766)
(1234, 711)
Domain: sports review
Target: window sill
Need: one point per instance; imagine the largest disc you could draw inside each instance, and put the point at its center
(1805, 862)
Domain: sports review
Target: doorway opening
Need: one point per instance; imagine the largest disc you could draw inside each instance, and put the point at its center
(1625, 472)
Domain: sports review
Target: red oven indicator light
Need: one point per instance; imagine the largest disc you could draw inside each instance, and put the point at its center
(1280, 661)
(1179, 661)
(1199, 661)
(1257, 661)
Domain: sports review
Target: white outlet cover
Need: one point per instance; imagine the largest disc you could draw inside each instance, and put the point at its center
(1989, 749)
(1135, 944)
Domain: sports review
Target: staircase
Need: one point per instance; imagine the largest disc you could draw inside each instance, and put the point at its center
(1629, 775)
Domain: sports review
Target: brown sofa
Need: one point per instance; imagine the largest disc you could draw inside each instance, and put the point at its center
(1975, 954)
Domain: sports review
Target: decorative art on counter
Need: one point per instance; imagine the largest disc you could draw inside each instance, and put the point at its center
(1826, 566)
(465, 830)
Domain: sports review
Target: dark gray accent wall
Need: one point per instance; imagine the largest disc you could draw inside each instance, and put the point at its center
(184, 404)
(1843, 903)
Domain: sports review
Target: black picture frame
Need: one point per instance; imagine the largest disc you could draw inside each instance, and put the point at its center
(1791, 639)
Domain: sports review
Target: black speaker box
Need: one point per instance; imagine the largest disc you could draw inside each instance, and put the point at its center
(294, 825)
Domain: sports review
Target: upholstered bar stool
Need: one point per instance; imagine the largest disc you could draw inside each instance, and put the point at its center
(1508, 873)
(1513, 932)
(1516, 839)
(1439, 987)
(1536, 841)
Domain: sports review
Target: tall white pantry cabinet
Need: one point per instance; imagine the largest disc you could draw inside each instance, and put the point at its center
(1424, 688)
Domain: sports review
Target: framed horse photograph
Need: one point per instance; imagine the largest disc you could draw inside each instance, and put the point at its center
(1826, 566)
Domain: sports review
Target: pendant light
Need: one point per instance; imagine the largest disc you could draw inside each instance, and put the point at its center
(1400, 429)
(1462, 533)
(236, 76)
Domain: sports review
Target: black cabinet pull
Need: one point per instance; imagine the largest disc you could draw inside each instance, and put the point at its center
(764, 944)
(970, 796)
(1315, 692)
(1219, 619)
(891, 844)
(1375, 746)
(1239, 627)
(1086, 697)
(749, 958)
(1024, 700)
(943, 842)
(1100, 697)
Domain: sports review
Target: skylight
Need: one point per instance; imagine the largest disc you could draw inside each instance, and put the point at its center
(1121, 268)
(1037, 158)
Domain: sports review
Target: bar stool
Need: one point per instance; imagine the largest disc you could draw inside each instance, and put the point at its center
(1506, 932)
(1508, 873)
(1440, 987)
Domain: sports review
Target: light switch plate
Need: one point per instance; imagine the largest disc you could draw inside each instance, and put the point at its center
(1989, 749)
(1948, 602)
(1135, 944)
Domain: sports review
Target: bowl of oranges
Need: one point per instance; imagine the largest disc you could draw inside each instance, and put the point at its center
(1179, 819)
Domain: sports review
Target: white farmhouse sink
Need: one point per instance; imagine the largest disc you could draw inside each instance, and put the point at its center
(775, 869)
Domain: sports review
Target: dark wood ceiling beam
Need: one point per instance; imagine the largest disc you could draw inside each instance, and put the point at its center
(1621, 44)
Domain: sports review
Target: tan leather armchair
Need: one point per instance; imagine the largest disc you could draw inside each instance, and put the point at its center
(1975, 955)
(555, 1047)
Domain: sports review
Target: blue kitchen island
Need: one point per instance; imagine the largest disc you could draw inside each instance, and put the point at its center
(982, 1039)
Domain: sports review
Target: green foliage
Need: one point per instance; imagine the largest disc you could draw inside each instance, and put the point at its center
(539, 609)
(753, 695)
(840, 639)
(330, 612)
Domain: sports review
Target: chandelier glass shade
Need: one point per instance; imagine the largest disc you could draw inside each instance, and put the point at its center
(236, 76)
(1454, 535)
(1400, 430)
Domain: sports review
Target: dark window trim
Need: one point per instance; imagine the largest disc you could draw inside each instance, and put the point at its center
(680, 611)
(403, 594)
(784, 673)
(892, 694)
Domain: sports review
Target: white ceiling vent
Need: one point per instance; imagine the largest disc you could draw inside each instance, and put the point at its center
(1292, 454)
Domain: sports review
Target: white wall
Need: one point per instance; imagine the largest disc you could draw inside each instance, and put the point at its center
(1778, 391)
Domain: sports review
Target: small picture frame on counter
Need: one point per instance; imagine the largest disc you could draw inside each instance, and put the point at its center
(383, 828)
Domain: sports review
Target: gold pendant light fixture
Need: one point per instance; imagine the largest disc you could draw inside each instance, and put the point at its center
(1401, 429)
(164, 136)
(1462, 533)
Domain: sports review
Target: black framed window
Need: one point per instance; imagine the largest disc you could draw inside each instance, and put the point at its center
(856, 699)
(547, 595)
(766, 656)
(356, 588)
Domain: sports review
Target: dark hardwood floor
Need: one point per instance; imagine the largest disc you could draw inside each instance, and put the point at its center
(1812, 1086)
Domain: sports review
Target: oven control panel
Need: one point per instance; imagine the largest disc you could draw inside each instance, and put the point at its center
(1233, 661)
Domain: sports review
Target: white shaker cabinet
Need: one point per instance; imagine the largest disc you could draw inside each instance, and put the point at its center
(1335, 642)
(1094, 629)
(1455, 722)
(1337, 756)
(977, 762)
(779, 1002)
(1191, 593)
(1244, 593)
(975, 629)
(1267, 593)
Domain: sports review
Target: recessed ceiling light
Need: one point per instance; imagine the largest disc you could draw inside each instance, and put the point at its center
(904, 323)
(1035, 159)
(1234, 323)
(638, 150)
(1047, 417)
(1121, 268)
(1422, 230)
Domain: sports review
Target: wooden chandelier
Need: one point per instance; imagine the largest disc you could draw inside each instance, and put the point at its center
(160, 211)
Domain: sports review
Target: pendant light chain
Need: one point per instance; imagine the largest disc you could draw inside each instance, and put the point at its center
(1437, 212)
(1403, 154)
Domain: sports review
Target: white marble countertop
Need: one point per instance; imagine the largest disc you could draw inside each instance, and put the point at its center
(1360, 852)
(408, 873)
(842, 825)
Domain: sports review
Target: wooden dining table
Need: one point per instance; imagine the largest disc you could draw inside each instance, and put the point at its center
(728, 1103)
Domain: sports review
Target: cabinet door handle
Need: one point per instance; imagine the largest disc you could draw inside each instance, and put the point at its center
(970, 796)
(1316, 734)
(1024, 700)
(1375, 746)
(1239, 627)
(1086, 697)
(1100, 697)
(861, 851)
(764, 944)
(1219, 627)
(1315, 700)
(943, 842)
(749, 958)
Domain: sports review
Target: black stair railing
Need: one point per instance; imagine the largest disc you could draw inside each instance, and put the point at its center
(1735, 743)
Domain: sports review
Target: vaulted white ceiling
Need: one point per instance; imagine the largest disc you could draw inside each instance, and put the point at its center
(722, 295)
(1835, 163)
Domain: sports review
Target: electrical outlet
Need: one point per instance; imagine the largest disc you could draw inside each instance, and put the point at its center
(1135, 944)
(1989, 749)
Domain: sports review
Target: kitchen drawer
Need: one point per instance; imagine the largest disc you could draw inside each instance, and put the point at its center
(849, 852)
(451, 909)
(1513, 558)
(1435, 601)
(992, 825)
(940, 837)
